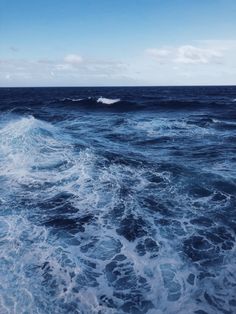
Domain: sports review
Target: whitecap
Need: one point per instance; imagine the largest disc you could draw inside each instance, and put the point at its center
(107, 101)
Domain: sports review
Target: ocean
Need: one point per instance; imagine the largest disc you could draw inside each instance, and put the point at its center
(118, 200)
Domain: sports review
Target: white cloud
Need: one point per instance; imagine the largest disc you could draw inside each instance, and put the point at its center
(187, 54)
(73, 59)
(194, 55)
(69, 70)
(199, 62)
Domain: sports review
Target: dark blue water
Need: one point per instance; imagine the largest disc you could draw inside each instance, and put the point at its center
(118, 200)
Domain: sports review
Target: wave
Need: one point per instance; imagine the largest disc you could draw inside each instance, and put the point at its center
(96, 208)
(103, 100)
(101, 103)
(153, 104)
(31, 151)
(108, 101)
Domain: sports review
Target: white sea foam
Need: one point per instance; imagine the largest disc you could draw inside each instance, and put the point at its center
(72, 99)
(224, 122)
(46, 269)
(165, 127)
(107, 101)
(28, 143)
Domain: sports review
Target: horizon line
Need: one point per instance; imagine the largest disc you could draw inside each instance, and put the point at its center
(119, 86)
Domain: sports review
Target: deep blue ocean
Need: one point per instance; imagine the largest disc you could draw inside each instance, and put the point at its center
(118, 200)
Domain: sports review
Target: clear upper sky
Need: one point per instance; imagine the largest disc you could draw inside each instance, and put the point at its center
(117, 42)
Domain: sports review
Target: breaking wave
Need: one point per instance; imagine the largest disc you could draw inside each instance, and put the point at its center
(107, 101)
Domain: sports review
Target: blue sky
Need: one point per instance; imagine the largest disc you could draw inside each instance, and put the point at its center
(117, 42)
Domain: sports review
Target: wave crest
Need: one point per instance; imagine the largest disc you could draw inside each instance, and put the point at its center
(107, 101)
(28, 145)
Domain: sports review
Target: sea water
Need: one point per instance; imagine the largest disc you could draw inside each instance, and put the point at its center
(118, 200)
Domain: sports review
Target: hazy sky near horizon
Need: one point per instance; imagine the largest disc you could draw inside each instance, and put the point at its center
(117, 42)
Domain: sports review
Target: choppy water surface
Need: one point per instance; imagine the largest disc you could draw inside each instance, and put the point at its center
(118, 200)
